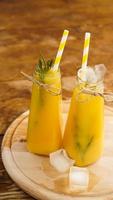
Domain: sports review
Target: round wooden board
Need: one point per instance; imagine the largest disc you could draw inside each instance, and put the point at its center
(36, 176)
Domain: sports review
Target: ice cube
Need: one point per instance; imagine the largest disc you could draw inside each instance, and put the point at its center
(100, 71)
(60, 160)
(87, 75)
(78, 178)
(91, 75)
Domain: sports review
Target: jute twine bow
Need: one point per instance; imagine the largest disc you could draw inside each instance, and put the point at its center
(108, 96)
(48, 87)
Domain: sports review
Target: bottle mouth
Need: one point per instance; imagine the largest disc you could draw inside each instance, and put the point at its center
(98, 82)
(94, 89)
(51, 82)
(86, 87)
(91, 76)
(49, 75)
(48, 87)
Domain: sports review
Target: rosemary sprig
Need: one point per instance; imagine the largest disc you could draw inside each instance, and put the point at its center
(83, 148)
(43, 67)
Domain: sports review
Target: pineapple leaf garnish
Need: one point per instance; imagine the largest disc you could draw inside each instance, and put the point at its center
(43, 67)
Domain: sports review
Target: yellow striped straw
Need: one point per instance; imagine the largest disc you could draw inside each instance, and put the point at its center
(86, 50)
(60, 50)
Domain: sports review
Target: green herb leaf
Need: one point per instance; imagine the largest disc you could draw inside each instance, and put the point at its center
(43, 67)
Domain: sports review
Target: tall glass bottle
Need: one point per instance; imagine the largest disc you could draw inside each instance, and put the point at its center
(84, 136)
(44, 127)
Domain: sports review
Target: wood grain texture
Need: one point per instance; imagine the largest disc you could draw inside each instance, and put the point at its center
(35, 175)
(8, 189)
(28, 27)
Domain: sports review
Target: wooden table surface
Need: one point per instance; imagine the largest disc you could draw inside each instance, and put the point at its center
(30, 27)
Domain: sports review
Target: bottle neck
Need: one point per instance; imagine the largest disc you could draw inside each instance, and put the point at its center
(93, 87)
(50, 77)
(51, 82)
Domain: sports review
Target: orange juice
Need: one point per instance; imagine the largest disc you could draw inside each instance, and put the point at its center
(83, 136)
(44, 126)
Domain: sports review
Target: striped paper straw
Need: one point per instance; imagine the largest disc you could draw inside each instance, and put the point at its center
(60, 50)
(86, 50)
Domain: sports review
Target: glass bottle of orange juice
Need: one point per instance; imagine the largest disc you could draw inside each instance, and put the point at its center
(44, 125)
(84, 136)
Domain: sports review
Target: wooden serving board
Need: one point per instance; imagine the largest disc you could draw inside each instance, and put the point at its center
(37, 177)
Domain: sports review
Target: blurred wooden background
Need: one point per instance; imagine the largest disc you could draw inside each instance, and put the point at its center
(31, 27)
